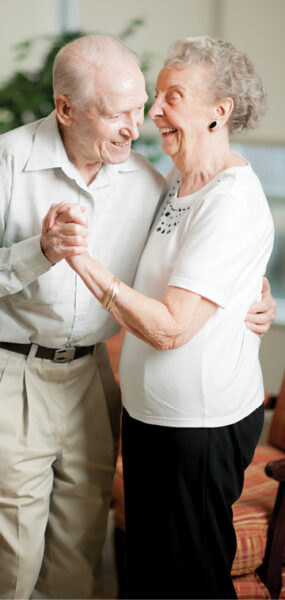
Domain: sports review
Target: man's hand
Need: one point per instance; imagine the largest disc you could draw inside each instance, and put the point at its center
(64, 232)
(262, 314)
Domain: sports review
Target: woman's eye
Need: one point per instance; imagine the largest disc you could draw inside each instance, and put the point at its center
(173, 98)
(114, 116)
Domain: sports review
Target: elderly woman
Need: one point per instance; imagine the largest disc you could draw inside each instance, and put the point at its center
(190, 375)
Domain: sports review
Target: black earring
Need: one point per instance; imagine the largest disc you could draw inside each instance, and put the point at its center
(213, 125)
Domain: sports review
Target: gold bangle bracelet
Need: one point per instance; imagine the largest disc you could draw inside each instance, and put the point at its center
(114, 296)
(111, 295)
(108, 294)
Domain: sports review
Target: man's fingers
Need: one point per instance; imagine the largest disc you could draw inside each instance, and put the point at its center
(69, 229)
(73, 214)
(262, 314)
(260, 318)
(258, 329)
(65, 213)
(66, 237)
(51, 215)
(266, 305)
(265, 286)
(58, 251)
(67, 241)
(258, 307)
(62, 252)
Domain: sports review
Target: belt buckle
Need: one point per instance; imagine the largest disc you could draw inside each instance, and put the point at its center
(64, 355)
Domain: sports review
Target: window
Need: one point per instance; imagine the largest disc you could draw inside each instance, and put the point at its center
(268, 162)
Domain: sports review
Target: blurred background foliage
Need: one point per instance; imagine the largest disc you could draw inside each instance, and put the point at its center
(27, 95)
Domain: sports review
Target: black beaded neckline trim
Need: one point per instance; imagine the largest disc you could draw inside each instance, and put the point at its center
(170, 216)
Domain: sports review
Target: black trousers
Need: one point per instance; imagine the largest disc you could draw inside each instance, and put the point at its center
(180, 484)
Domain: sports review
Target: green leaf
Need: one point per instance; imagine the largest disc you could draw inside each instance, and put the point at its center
(131, 28)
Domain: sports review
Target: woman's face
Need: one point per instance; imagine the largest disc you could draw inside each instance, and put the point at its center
(182, 111)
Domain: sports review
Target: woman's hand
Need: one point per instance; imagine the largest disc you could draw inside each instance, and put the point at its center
(64, 232)
(262, 314)
(77, 262)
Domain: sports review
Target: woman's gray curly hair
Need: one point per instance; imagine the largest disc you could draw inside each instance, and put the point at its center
(232, 75)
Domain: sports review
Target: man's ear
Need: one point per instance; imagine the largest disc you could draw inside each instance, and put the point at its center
(224, 109)
(64, 110)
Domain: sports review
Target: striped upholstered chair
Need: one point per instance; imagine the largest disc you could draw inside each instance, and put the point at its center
(259, 558)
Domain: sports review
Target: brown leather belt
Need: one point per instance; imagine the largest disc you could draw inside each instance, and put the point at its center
(61, 355)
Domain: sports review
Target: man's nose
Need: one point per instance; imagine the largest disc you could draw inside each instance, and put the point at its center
(131, 128)
(155, 110)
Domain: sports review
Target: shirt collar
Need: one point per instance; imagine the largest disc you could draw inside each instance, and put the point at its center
(48, 152)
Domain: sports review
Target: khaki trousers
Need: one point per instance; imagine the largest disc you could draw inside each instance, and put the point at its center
(59, 429)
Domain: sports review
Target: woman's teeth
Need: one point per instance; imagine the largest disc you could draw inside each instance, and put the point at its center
(167, 130)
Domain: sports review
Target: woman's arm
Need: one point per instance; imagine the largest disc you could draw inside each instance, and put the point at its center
(164, 325)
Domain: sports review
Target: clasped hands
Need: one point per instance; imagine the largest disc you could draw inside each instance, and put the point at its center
(64, 233)
(64, 236)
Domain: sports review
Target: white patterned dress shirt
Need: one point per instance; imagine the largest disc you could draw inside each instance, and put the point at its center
(50, 305)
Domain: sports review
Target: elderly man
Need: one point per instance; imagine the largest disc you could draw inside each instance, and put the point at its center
(60, 409)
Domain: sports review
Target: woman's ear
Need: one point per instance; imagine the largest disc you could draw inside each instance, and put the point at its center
(223, 110)
(64, 110)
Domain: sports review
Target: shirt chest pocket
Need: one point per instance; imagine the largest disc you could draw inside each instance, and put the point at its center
(54, 287)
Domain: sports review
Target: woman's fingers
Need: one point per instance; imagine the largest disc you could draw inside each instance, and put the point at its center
(65, 213)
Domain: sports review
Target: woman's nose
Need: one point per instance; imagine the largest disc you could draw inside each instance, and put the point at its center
(155, 110)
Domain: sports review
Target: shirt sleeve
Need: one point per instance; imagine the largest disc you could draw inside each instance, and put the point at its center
(22, 262)
(215, 248)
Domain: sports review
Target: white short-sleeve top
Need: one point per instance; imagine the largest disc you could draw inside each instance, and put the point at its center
(216, 243)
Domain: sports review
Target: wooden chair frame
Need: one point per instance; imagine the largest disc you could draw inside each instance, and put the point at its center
(270, 571)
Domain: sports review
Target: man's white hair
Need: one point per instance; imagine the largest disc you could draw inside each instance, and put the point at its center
(78, 62)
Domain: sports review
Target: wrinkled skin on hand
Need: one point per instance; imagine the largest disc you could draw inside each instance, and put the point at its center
(64, 232)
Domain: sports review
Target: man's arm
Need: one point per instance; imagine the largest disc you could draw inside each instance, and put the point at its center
(24, 261)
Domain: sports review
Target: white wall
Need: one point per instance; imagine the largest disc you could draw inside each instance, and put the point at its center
(272, 358)
(165, 21)
(255, 26)
(21, 20)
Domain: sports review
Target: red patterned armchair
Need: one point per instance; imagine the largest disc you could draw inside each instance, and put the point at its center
(259, 515)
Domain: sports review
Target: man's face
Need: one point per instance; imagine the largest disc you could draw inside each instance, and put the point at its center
(103, 132)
